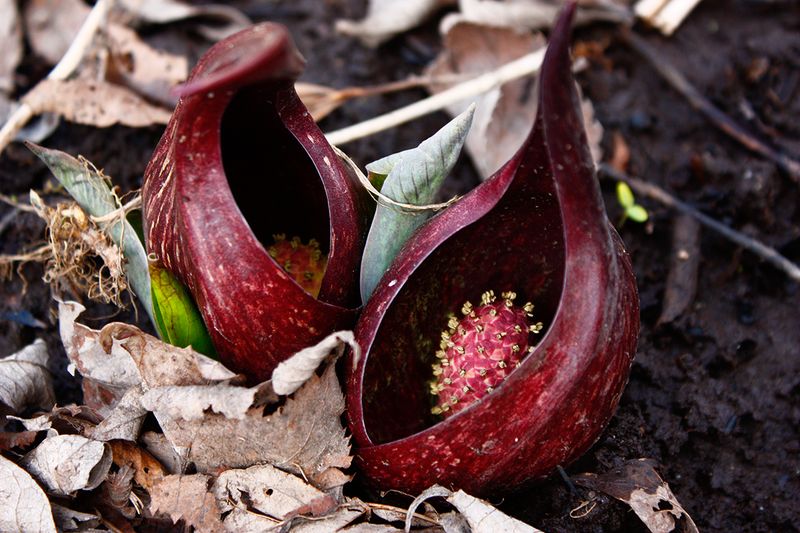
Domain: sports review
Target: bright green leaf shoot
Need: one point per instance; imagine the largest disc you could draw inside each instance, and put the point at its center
(632, 210)
(177, 318)
(637, 213)
(624, 195)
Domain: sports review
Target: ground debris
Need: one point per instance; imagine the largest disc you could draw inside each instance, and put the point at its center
(25, 380)
(638, 484)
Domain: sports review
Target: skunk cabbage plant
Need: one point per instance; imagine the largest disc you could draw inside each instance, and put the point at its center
(248, 205)
(535, 232)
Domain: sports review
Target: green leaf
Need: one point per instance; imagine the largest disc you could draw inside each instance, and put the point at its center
(624, 195)
(636, 213)
(412, 177)
(93, 193)
(177, 318)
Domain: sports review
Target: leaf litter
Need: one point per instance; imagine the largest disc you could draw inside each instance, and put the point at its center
(261, 460)
(25, 380)
(638, 484)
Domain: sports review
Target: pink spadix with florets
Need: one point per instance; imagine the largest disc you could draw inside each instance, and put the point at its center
(478, 351)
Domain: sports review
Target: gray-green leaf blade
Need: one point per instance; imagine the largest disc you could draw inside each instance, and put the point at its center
(412, 177)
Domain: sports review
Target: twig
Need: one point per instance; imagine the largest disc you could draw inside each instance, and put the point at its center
(7, 218)
(722, 121)
(72, 58)
(654, 192)
(518, 68)
(666, 15)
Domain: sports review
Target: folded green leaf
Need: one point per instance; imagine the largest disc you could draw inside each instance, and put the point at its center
(411, 177)
(92, 192)
(176, 316)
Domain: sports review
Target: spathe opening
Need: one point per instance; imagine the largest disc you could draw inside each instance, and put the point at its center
(272, 178)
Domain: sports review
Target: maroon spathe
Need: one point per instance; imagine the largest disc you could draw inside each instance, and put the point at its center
(537, 227)
(239, 127)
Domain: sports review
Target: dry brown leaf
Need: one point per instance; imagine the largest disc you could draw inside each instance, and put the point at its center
(484, 518)
(265, 489)
(209, 421)
(481, 516)
(22, 439)
(537, 14)
(95, 103)
(330, 479)
(150, 72)
(304, 436)
(372, 528)
(228, 20)
(124, 421)
(120, 357)
(68, 463)
(290, 374)
(160, 364)
(158, 445)
(25, 380)
(68, 420)
(71, 520)
(147, 471)
(192, 403)
(504, 115)
(23, 504)
(187, 498)
(10, 43)
(112, 371)
(51, 26)
(638, 484)
(387, 18)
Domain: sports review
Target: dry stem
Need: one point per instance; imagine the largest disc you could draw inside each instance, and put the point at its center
(525, 65)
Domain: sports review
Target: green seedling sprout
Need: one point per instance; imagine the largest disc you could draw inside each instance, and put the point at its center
(631, 210)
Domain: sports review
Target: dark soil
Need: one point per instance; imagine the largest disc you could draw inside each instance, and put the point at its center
(714, 397)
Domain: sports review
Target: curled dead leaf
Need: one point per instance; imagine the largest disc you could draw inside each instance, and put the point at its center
(304, 436)
(147, 471)
(387, 18)
(120, 357)
(225, 19)
(148, 71)
(23, 504)
(71, 520)
(68, 463)
(537, 14)
(290, 374)
(481, 516)
(266, 489)
(95, 103)
(504, 114)
(638, 484)
(25, 380)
